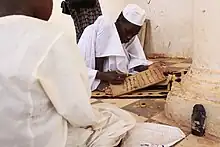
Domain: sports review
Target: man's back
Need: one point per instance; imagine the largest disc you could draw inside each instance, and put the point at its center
(28, 116)
(44, 86)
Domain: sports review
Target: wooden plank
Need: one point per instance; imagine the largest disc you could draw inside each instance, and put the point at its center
(134, 95)
(138, 81)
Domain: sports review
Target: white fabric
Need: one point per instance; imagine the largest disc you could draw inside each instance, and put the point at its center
(62, 21)
(45, 91)
(134, 14)
(101, 39)
(111, 129)
(152, 135)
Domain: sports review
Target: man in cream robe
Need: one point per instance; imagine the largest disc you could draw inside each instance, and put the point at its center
(115, 45)
(45, 95)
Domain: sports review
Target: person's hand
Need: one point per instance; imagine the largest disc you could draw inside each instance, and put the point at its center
(112, 77)
(140, 68)
(104, 87)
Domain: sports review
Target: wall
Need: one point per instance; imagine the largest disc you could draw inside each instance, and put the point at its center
(171, 23)
(206, 38)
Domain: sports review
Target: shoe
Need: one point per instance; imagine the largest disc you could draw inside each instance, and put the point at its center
(198, 120)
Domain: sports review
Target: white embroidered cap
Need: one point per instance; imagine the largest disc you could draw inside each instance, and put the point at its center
(134, 14)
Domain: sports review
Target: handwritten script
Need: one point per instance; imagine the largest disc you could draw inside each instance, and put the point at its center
(138, 81)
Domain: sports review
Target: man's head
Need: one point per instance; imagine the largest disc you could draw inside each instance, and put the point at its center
(130, 22)
(40, 9)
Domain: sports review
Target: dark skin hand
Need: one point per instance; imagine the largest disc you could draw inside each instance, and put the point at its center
(102, 86)
(112, 77)
(140, 68)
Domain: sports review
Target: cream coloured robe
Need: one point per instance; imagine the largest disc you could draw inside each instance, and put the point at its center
(45, 93)
(101, 39)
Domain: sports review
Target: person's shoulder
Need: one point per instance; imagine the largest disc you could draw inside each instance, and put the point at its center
(97, 25)
(104, 23)
(34, 25)
(104, 20)
(37, 30)
(42, 25)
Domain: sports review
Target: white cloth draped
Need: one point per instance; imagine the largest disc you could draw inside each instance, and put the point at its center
(45, 93)
(102, 40)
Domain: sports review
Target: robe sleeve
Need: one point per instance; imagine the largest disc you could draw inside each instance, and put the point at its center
(63, 76)
(94, 83)
(87, 49)
(136, 54)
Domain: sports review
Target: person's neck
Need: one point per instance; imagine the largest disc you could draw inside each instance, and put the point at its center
(116, 25)
(117, 28)
(4, 12)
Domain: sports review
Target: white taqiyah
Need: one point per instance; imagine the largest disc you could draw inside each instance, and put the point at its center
(134, 14)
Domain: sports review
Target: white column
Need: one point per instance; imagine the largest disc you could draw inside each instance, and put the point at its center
(202, 83)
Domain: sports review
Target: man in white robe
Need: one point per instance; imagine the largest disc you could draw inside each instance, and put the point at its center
(44, 88)
(112, 49)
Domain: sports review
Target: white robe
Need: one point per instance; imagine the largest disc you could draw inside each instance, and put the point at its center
(45, 93)
(101, 39)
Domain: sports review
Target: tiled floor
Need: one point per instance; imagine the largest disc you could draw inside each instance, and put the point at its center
(152, 110)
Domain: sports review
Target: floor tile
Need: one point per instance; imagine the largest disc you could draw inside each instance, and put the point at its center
(119, 102)
(193, 141)
(154, 121)
(139, 119)
(161, 118)
(93, 100)
(97, 102)
(146, 108)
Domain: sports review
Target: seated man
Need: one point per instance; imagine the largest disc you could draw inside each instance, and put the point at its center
(112, 49)
(45, 95)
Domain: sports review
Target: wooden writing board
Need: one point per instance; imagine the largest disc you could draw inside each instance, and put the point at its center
(138, 81)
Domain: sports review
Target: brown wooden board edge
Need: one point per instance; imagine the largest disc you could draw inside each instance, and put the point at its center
(162, 79)
(116, 95)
